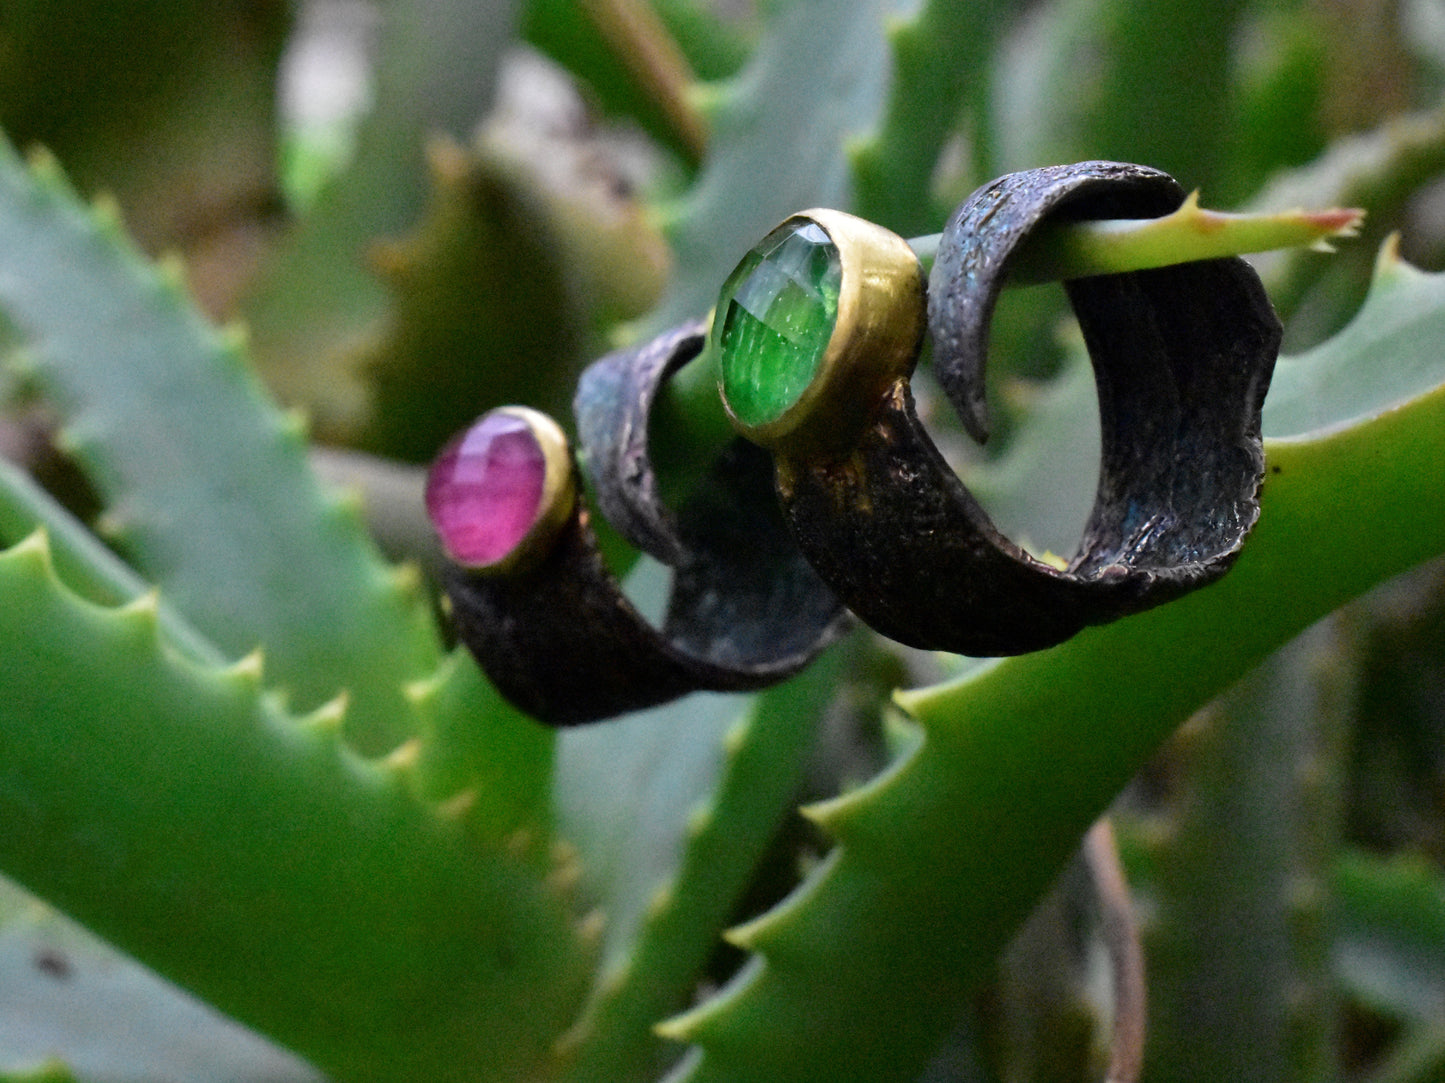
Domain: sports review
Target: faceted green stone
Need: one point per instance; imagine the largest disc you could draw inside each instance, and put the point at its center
(774, 318)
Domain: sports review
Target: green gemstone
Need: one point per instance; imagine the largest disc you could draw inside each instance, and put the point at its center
(774, 319)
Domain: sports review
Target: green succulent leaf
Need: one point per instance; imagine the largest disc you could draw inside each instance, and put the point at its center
(207, 484)
(779, 128)
(67, 996)
(902, 906)
(48, 1071)
(476, 749)
(1236, 886)
(1386, 355)
(318, 300)
(1392, 929)
(1098, 79)
(251, 857)
(711, 45)
(940, 81)
(700, 789)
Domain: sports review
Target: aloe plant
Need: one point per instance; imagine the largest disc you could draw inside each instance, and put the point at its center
(236, 745)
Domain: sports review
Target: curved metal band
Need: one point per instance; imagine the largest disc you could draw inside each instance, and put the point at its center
(560, 639)
(744, 599)
(1182, 358)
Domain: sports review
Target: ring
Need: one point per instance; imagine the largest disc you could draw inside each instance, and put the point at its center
(533, 599)
(1182, 358)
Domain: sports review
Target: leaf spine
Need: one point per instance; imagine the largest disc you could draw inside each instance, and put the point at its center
(329, 718)
(248, 669)
(661, 900)
(591, 926)
(457, 807)
(404, 757)
(699, 818)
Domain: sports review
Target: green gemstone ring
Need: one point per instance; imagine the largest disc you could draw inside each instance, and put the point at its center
(813, 325)
(1182, 358)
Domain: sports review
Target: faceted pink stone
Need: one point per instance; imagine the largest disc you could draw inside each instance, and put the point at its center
(484, 490)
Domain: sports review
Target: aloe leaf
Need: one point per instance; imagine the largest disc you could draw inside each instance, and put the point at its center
(671, 896)
(480, 751)
(49, 1070)
(1386, 355)
(252, 858)
(65, 994)
(940, 75)
(81, 561)
(1382, 169)
(1075, 250)
(168, 107)
(1391, 949)
(436, 66)
(1099, 79)
(938, 860)
(465, 289)
(779, 127)
(1239, 866)
(208, 486)
(475, 747)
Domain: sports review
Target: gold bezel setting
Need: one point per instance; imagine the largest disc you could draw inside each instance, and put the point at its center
(875, 339)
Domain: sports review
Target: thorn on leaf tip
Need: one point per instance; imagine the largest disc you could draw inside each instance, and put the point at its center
(251, 667)
(458, 806)
(331, 715)
(404, 756)
(591, 926)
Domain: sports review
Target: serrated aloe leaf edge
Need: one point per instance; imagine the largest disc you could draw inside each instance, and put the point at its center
(250, 856)
(207, 485)
(859, 974)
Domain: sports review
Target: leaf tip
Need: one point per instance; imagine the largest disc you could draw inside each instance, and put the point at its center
(736, 736)
(406, 579)
(235, 336)
(685, 1026)
(107, 215)
(43, 163)
(520, 842)
(661, 900)
(171, 274)
(144, 608)
(750, 934)
(296, 423)
(32, 549)
(566, 872)
(1389, 259)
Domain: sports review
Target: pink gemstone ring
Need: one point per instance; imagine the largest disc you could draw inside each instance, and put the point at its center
(533, 599)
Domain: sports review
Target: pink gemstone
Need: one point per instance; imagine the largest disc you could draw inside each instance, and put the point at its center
(484, 490)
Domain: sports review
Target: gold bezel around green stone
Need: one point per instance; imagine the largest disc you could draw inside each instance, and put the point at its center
(813, 326)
